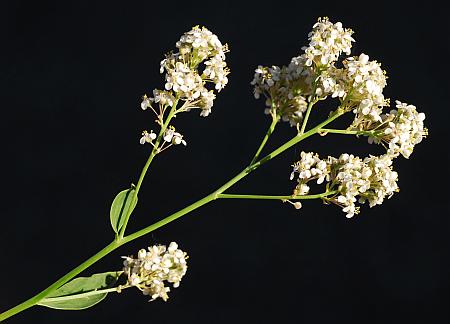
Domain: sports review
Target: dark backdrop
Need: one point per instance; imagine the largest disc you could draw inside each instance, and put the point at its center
(72, 74)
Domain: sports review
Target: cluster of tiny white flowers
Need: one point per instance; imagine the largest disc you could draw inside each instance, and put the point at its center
(326, 43)
(404, 129)
(310, 167)
(186, 83)
(287, 88)
(183, 76)
(163, 98)
(153, 267)
(400, 130)
(365, 81)
(351, 178)
(331, 81)
(371, 179)
(200, 60)
(283, 92)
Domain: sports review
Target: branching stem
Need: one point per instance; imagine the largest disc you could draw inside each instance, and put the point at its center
(121, 240)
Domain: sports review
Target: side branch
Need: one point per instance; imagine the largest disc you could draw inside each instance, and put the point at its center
(237, 196)
(324, 131)
(275, 119)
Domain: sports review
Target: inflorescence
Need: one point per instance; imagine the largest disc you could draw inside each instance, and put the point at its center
(290, 91)
(358, 83)
(350, 179)
(199, 63)
(153, 267)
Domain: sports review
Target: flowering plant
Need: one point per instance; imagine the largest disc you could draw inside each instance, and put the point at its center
(194, 74)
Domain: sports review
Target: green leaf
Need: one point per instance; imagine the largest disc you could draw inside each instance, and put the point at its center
(120, 207)
(81, 293)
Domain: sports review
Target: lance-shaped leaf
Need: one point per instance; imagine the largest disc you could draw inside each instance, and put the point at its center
(81, 293)
(121, 207)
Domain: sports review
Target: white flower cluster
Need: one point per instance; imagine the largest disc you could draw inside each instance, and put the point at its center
(153, 267)
(170, 137)
(365, 81)
(358, 83)
(163, 98)
(183, 76)
(326, 43)
(350, 179)
(404, 129)
(399, 131)
(287, 88)
(283, 90)
(187, 82)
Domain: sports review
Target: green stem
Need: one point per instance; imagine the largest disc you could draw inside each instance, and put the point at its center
(117, 243)
(36, 299)
(346, 132)
(305, 120)
(216, 194)
(311, 103)
(275, 119)
(316, 196)
(155, 151)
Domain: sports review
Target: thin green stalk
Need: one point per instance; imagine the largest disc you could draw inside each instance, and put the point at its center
(346, 132)
(308, 112)
(311, 103)
(155, 151)
(275, 119)
(316, 196)
(117, 243)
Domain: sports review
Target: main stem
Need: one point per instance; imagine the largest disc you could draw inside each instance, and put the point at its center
(117, 243)
(86, 264)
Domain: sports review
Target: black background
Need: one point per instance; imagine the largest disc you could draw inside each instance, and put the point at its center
(72, 74)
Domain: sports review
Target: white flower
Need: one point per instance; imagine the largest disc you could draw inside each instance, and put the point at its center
(171, 136)
(146, 102)
(147, 137)
(178, 139)
(205, 102)
(168, 135)
(153, 267)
